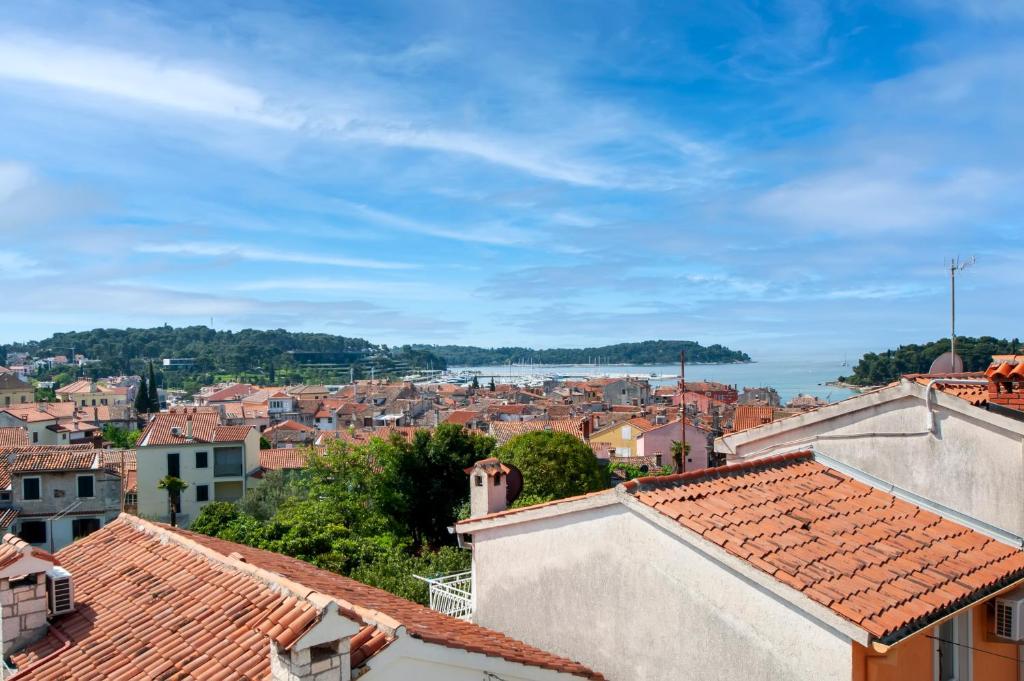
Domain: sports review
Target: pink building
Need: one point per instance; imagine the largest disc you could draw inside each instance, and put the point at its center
(660, 439)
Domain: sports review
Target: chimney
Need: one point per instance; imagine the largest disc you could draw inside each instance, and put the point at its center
(25, 599)
(1006, 381)
(188, 427)
(588, 427)
(488, 485)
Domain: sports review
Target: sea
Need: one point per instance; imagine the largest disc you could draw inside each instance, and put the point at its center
(790, 377)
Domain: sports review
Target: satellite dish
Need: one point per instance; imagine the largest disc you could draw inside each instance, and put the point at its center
(513, 484)
(947, 363)
(644, 469)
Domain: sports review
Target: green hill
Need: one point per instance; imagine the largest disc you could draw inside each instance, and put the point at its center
(645, 352)
(885, 367)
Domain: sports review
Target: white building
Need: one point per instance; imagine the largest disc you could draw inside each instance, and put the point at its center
(192, 445)
(949, 440)
(791, 567)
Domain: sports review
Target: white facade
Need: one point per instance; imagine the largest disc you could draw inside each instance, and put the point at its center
(217, 486)
(941, 448)
(626, 594)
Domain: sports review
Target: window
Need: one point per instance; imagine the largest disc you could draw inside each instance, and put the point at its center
(86, 487)
(497, 479)
(952, 649)
(31, 489)
(478, 480)
(202, 492)
(131, 499)
(227, 462)
(35, 438)
(627, 432)
(33, 531)
(81, 527)
(174, 465)
(201, 460)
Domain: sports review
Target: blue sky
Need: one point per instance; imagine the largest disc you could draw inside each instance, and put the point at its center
(784, 178)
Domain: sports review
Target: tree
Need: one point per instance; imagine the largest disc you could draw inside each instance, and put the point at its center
(554, 465)
(142, 397)
(475, 384)
(424, 479)
(265, 443)
(679, 450)
(120, 438)
(215, 517)
(492, 387)
(271, 373)
(154, 394)
(174, 486)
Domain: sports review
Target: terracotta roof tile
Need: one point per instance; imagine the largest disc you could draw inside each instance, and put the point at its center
(503, 431)
(283, 459)
(61, 460)
(181, 605)
(15, 436)
(205, 427)
(751, 416)
(881, 562)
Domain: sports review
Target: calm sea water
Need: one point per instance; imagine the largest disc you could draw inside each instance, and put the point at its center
(789, 377)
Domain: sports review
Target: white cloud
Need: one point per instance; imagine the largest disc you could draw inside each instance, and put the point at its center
(873, 199)
(14, 177)
(188, 88)
(223, 250)
(499, 236)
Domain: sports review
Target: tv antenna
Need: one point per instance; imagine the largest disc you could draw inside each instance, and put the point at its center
(955, 265)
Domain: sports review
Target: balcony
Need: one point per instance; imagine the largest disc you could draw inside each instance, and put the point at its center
(452, 594)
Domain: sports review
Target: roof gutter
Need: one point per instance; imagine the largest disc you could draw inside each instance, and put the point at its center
(884, 648)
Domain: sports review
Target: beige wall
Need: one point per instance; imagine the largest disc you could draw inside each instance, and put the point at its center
(621, 595)
(152, 467)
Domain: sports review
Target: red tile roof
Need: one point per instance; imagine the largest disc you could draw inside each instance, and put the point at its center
(751, 416)
(283, 459)
(14, 436)
(55, 460)
(419, 621)
(289, 424)
(181, 605)
(462, 417)
(205, 428)
(882, 563)
(503, 431)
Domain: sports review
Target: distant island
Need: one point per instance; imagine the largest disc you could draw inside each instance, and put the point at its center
(644, 352)
(203, 355)
(886, 367)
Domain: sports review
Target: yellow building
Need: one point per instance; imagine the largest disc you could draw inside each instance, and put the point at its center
(13, 390)
(620, 438)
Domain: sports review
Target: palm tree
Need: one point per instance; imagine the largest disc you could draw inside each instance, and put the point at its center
(174, 486)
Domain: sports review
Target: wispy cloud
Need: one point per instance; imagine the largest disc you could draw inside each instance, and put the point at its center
(226, 250)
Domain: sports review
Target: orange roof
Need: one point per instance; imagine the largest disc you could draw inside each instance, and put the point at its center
(289, 424)
(13, 549)
(1006, 367)
(283, 459)
(462, 416)
(204, 608)
(503, 431)
(54, 460)
(205, 428)
(14, 436)
(885, 564)
(751, 416)
(82, 386)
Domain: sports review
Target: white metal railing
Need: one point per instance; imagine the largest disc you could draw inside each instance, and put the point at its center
(452, 594)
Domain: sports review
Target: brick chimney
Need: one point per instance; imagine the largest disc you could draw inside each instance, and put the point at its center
(1006, 381)
(488, 487)
(24, 600)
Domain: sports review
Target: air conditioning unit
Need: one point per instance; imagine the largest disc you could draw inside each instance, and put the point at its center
(59, 590)
(176, 431)
(1009, 616)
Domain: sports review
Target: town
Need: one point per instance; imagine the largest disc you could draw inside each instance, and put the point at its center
(876, 527)
(476, 340)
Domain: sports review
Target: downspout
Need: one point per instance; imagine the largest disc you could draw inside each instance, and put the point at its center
(930, 415)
